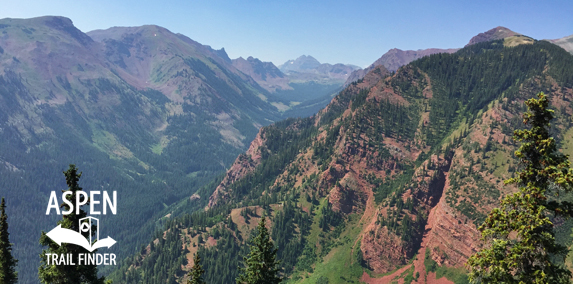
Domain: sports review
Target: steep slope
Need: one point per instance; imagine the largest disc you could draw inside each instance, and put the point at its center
(394, 59)
(392, 177)
(145, 112)
(565, 42)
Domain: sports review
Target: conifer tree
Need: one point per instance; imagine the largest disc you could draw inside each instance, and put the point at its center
(196, 273)
(261, 266)
(51, 273)
(8, 274)
(520, 240)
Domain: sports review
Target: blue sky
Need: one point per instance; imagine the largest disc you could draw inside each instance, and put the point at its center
(353, 32)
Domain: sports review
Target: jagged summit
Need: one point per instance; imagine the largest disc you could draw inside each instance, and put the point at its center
(306, 68)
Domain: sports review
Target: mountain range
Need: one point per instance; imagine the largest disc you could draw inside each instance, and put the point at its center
(160, 118)
(306, 67)
(140, 107)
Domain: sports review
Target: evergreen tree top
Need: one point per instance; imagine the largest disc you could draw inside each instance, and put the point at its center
(261, 265)
(196, 272)
(520, 239)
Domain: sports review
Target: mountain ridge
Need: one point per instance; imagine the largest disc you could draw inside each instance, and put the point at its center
(394, 59)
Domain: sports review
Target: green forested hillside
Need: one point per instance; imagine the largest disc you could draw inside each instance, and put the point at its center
(395, 173)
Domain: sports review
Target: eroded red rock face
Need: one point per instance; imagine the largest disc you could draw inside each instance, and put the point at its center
(243, 165)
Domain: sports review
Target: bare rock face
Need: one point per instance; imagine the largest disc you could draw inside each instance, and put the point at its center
(381, 249)
(243, 165)
(452, 237)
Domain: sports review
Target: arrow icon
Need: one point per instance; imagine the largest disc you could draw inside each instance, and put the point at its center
(107, 242)
(62, 235)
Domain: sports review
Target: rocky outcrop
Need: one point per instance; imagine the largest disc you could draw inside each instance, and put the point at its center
(451, 237)
(382, 250)
(243, 165)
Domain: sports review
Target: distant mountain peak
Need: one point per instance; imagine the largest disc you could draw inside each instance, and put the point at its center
(306, 68)
(223, 54)
(493, 34)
